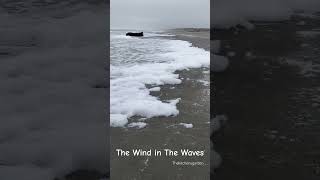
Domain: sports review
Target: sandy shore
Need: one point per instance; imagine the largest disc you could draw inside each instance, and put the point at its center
(165, 132)
(198, 37)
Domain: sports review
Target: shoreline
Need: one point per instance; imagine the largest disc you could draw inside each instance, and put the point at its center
(199, 37)
(166, 132)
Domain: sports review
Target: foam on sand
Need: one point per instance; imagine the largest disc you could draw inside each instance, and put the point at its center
(186, 125)
(155, 89)
(118, 120)
(138, 125)
(137, 62)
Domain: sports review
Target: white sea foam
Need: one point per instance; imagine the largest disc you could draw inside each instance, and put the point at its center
(138, 125)
(118, 120)
(157, 34)
(205, 83)
(186, 125)
(155, 89)
(137, 62)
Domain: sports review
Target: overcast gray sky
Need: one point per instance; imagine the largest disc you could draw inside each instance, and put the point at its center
(159, 14)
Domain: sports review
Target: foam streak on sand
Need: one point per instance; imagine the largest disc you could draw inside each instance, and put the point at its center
(137, 62)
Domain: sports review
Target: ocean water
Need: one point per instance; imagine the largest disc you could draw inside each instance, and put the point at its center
(140, 65)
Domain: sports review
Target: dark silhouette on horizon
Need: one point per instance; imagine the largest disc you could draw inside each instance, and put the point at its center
(135, 34)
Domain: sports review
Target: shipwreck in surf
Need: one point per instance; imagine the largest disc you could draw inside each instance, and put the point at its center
(140, 34)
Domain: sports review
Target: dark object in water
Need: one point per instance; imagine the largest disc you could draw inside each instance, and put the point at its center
(134, 34)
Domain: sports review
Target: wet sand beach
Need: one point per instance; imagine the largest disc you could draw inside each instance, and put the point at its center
(270, 93)
(166, 133)
(197, 36)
